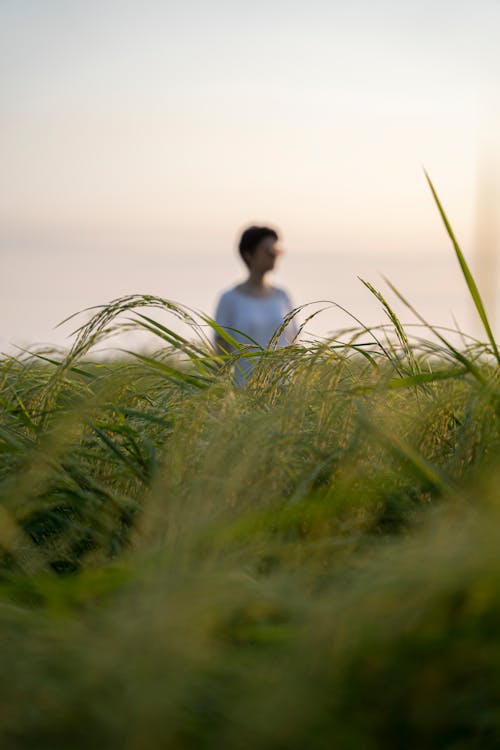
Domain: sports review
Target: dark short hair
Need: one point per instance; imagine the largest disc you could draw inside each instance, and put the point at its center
(251, 238)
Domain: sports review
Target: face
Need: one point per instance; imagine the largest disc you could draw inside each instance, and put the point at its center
(265, 255)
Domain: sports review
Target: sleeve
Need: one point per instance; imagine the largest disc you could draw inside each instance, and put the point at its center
(223, 311)
(292, 329)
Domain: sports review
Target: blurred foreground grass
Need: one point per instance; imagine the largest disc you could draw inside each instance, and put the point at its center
(311, 561)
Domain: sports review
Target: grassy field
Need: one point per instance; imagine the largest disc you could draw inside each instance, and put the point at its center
(311, 561)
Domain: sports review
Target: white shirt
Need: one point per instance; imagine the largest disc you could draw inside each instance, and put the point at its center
(255, 319)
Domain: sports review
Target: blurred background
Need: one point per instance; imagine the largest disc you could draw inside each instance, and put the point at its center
(138, 139)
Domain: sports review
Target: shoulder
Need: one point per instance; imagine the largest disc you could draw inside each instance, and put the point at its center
(225, 297)
(281, 291)
(229, 294)
(226, 305)
(284, 295)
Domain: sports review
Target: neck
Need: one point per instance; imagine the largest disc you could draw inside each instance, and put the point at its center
(256, 279)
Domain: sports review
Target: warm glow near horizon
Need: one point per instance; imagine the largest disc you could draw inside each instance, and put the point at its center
(146, 116)
(157, 124)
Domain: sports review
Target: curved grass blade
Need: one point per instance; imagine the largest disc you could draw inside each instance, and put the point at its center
(456, 353)
(474, 291)
(401, 448)
(171, 373)
(197, 356)
(119, 453)
(398, 327)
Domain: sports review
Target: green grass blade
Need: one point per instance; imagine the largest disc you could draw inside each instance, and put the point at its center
(400, 447)
(119, 453)
(197, 355)
(177, 376)
(471, 284)
(398, 327)
(448, 345)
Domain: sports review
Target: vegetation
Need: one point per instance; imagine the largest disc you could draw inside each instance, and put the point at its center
(309, 561)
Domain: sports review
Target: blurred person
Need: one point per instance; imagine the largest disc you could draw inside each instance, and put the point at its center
(254, 310)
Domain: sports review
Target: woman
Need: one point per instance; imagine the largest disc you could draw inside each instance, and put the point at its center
(253, 311)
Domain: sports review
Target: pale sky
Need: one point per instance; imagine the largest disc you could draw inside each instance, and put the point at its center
(162, 126)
